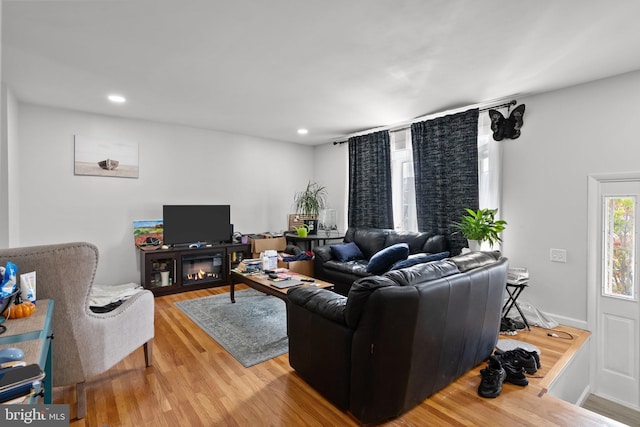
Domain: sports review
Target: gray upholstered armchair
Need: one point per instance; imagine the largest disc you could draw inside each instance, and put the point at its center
(86, 343)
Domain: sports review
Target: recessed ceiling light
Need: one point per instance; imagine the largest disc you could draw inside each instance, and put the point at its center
(117, 99)
(302, 131)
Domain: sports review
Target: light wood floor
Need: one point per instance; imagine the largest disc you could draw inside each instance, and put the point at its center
(612, 410)
(195, 382)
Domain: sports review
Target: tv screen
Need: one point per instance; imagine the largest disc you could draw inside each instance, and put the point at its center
(186, 224)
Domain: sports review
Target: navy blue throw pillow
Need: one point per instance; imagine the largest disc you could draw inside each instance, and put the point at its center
(385, 258)
(346, 252)
(419, 259)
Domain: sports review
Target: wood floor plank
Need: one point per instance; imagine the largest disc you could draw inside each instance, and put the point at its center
(195, 382)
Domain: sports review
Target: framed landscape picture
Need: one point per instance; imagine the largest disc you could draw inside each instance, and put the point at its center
(105, 157)
(147, 229)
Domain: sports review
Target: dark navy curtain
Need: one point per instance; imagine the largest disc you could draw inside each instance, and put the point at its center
(445, 156)
(370, 203)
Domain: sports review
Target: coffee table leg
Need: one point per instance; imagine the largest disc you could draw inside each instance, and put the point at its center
(232, 293)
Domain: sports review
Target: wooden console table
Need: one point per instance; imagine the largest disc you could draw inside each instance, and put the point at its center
(33, 335)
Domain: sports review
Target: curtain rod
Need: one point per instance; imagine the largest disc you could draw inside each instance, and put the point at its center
(408, 124)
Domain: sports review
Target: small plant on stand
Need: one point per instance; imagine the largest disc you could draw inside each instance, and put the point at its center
(310, 202)
(480, 226)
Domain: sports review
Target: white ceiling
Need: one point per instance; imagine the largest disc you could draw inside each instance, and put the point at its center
(266, 68)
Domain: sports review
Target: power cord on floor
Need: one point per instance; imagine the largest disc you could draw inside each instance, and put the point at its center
(554, 333)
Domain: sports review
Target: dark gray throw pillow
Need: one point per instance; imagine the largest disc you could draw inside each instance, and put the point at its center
(385, 258)
(419, 259)
(346, 252)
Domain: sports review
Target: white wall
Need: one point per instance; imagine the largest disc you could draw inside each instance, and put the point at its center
(567, 135)
(178, 165)
(9, 218)
(332, 171)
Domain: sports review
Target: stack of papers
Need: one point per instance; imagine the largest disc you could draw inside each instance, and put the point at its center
(517, 276)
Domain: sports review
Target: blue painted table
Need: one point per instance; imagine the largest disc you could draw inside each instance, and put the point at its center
(33, 335)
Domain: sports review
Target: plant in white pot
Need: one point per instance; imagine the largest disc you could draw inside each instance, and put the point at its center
(310, 202)
(479, 226)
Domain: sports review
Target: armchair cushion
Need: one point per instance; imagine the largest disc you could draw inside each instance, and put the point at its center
(359, 294)
(385, 258)
(321, 301)
(346, 252)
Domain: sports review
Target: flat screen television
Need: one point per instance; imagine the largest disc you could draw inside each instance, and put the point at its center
(186, 224)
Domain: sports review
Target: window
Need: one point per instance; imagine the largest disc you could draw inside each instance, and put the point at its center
(402, 177)
(403, 181)
(489, 165)
(619, 246)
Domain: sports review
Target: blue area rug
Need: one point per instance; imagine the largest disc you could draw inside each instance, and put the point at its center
(252, 330)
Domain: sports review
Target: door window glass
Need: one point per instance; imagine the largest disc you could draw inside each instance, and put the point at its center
(619, 247)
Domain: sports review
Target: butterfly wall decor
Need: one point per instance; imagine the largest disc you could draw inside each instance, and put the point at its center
(506, 127)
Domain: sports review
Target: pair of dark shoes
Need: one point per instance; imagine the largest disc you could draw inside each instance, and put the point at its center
(519, 357)
(509, 326)
(509, 366)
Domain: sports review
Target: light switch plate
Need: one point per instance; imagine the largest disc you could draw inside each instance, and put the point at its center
(558, 255)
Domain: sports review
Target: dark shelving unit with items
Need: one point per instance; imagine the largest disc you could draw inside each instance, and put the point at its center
(168, 271)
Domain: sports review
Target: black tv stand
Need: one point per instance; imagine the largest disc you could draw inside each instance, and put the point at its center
(181, 268)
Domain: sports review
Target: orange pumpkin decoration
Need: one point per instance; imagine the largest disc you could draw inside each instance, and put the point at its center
(19, 309)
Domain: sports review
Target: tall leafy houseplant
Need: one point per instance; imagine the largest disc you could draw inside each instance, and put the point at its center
(480, 226)
(311, 200)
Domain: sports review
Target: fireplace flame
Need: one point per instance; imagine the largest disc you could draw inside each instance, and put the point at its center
(201, 274)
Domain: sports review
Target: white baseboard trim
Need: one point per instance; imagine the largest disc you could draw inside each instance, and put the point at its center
(584, 395)
(569, 321)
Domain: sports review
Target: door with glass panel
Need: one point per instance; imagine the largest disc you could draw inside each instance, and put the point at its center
(618, 311)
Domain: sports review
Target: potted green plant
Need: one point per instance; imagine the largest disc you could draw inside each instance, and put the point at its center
(479, 226)
(309, 202)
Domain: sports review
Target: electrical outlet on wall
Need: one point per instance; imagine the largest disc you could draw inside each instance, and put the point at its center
(558, 255)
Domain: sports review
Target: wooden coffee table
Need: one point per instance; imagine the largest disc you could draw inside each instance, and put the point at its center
(262, 283)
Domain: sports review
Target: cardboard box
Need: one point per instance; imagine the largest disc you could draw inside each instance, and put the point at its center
(261, 245)
(302, 267)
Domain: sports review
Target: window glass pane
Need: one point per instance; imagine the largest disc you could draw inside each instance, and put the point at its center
(403, 182)
(619, 246)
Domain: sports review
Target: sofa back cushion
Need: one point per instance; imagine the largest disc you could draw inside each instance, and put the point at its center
(415, 240)
(436, 243)
(364, 287)
(370, 240)
(422, 273)
(471, 260)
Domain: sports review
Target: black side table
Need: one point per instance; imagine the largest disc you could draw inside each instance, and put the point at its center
(320, 238)
(514, 290)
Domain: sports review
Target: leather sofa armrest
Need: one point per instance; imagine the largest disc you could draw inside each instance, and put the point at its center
(323, 252)
(323, 302)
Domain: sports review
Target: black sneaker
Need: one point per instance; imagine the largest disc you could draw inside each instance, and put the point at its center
(521, 358)
(529, 360)
(515, 373)
(518, 325)
(492, 378)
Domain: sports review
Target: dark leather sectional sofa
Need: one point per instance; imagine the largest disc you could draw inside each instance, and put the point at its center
(399, 337)
(370, 241)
